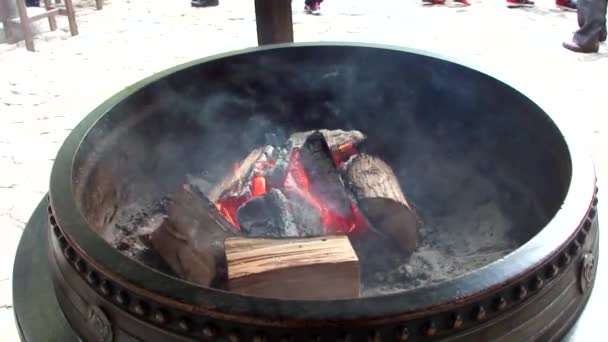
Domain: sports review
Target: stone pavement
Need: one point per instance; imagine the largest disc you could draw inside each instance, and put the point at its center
(44, 94)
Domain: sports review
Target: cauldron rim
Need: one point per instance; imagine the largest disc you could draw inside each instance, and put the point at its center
(179, 293)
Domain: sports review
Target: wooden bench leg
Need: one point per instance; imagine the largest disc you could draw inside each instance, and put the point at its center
(7, 29)
(25, 25)
(52, 22)
(69, 7)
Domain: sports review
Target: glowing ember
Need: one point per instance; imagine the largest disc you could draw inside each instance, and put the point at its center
(296, 181)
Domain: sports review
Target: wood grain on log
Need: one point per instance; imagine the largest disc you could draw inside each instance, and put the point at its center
(381, 200)
(311, 269)
(196, 237)
(334, 138)
(233, 179)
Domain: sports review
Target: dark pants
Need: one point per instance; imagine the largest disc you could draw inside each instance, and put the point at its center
(311, 2)
(32, 3)
(591, 20)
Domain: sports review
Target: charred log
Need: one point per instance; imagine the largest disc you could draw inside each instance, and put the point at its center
(325, 182)
(192, 241)
(233, 182)
(381, 200)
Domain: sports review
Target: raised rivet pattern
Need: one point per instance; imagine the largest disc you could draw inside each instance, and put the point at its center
(122, 297)
(92, 278)
(69, 253)
(140, 308)
(552, 271)
(402, 334)
(160, 316)
(105, 288)
(184, 324)
(430, 328)
(522, 292)
(209, 331)
(501, 303)
(80, 266)
(259, 338)
(234, 337)
(457, 321)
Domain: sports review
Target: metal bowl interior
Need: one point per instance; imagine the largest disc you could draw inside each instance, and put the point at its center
(140, 144)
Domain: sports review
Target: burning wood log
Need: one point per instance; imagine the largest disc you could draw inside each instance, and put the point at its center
(192, 241)
(234, 180)
(324, 179)
(381, 200)
(267, 216)
(335, 138)
(308, 269)
(277, 215)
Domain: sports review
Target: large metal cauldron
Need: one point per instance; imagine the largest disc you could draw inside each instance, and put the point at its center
(534, 293)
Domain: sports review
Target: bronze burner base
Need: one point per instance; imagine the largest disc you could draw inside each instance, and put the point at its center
(39, 317)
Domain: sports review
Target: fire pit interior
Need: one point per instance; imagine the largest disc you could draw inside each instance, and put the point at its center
(326, 172)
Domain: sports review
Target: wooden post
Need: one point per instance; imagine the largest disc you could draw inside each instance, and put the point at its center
(69, 6)
(52, 20)
(25, 25)
(274, 21)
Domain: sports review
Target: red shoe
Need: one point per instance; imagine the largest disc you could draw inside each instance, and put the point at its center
(314, 9)
(433, 2)
(566, 5)
(519, 3)
(463, 2)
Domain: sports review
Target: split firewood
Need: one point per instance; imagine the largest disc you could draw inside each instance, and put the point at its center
(304, 269)
(381, 200)
(177, 251)
(233, 181)
(325, 182)
(334, 138)
(193, 242)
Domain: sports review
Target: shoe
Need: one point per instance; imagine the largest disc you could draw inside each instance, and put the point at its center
(575, 47)
(519, 3)
(314, 9)
(204, 3)
(463, 2)
(433, 2)
(566, 5)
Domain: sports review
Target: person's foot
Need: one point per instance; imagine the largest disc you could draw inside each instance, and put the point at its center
(566, 5)
(204, 3)
(463, 2)
(519, 3)
(314, 9)
(575, 47)
(433, 2)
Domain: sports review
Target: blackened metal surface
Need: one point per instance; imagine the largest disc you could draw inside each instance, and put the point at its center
(40, 318)
(508, 296)
(37, 313)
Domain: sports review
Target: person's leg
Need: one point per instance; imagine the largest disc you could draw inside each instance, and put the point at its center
(519, 3)
(566, 5)
(312, 6)
(204, 3)
(32, 3)
(592, 21)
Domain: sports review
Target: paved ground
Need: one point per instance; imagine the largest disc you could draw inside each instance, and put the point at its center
(44, 94)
